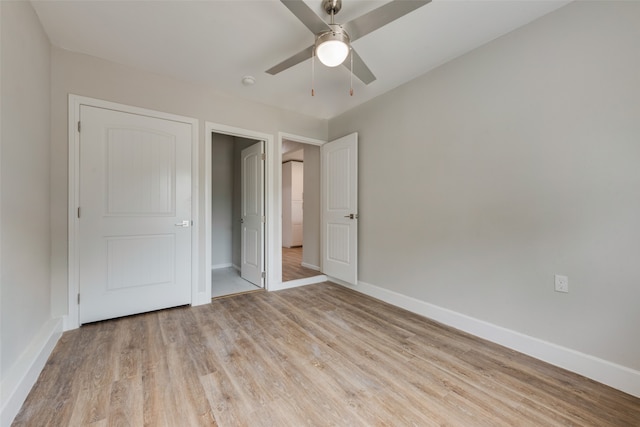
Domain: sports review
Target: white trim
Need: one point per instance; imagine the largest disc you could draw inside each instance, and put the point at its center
(299, 282)
(219, 266)
(21, 377)
(198, 296)
(273, 227)
(603, 371)
(310, 266)
(300, 139)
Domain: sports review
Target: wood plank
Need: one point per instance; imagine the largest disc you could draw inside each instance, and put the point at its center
(311, 356)
(126, 403)
(292, 268)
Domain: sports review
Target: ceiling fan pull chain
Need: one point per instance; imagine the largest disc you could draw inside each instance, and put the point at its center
(313, 72)
(351, 89)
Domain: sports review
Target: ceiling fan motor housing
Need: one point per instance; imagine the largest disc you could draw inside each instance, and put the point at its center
(340, 44)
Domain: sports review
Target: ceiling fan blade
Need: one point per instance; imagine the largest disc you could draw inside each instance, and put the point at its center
(360, 69)
(380, 17)
(290, 62)
(307, 16)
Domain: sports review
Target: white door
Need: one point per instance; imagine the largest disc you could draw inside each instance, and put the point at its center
(340, 208)
(135, 214)
(253, 219)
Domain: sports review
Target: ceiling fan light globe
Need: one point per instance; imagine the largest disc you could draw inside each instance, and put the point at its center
(332, 52)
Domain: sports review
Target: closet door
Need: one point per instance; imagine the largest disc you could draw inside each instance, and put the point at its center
(135, 214)
(253, 215)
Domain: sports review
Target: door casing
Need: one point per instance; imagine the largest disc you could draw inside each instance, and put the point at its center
(299, 282)
(271, 228)
(198, 296)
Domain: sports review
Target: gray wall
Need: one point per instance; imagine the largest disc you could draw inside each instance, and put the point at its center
(89, 76)
(311, 224)
(222, 174)
(26, 235)
(482, 179)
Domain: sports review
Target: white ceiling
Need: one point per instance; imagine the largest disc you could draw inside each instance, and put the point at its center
(217, 42)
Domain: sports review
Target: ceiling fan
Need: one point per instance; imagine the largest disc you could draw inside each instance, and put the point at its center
(333, 41)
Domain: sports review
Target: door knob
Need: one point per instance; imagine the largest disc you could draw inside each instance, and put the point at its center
(351, 216)
(184, 223)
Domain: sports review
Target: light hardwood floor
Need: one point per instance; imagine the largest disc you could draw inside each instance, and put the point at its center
(318, 355)
(292, 268)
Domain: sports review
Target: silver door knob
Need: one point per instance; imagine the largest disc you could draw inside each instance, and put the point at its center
(351, 216)
(185, 223)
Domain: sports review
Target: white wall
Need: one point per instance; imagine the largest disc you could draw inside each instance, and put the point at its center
(222, 174)
(89, 76)
(25, 315)
(25, 179)
(482, 179)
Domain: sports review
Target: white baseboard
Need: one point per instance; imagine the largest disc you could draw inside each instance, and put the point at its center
(21, 377)
(603, 371)
(218, 266)
(299, 282)
(310, 266)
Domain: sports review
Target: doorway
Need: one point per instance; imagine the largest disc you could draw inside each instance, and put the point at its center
(336, 226)
(300, 210)
(237, 215)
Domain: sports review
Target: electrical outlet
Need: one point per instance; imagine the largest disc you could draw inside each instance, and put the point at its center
(562, 283)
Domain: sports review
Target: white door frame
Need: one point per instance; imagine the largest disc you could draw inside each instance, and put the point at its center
(272, 228)
(278, 202)
(71, 321)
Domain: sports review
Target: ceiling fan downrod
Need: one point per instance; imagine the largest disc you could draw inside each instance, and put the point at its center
(332, 7)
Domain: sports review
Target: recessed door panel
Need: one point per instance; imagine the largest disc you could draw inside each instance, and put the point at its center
(146, 159)
(134, 261)
(337, 178)
(338, 243)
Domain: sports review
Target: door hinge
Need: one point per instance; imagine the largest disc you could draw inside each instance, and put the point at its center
(79, 126)
(263, 156)
(264, 219)
(78, 299)
(78, 211)
(263, 275)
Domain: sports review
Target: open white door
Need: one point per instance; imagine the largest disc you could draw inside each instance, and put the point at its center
(134, 239)
(339, 190)
(253, 218)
